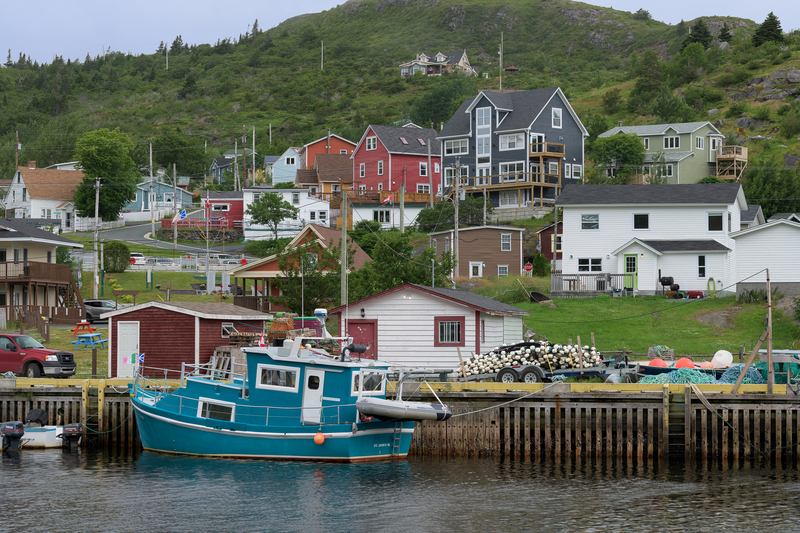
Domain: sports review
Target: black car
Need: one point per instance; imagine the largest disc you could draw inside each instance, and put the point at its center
(95, 308)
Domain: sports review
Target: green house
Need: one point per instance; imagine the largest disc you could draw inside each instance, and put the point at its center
(684, 153)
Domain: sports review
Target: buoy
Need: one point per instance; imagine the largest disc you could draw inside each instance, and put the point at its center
(722, 359)
(319, 438)
(658, 362)
(706, 365)
(684, 362)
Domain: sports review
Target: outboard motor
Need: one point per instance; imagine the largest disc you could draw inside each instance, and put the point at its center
(36, 418)
(12, 433)
(71, 435)
(352, 348)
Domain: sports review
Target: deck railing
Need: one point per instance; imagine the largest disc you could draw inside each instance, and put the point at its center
(731, 152)
(17, 271)
(566, 285)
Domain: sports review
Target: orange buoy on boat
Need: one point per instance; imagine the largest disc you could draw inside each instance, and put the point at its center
(319, 438)
(684, 362)
(658, 362)
(706, 365)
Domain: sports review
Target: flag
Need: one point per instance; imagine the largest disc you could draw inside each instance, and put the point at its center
(261, 342)
(179, 216)
(388, 199)
(140, 358)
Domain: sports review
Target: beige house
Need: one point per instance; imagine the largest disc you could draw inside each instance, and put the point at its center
(437, 64)
(43, 193)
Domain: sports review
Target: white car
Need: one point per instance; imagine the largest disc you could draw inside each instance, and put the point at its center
(137, 258)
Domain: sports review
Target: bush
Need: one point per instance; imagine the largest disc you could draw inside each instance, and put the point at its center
(541, 267)
(758, 295)
(116, 257)
(736, 110)
(761, 112)
(265, 248)
(790, 121)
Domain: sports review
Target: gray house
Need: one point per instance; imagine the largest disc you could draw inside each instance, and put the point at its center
(515, 147)
(163, 197)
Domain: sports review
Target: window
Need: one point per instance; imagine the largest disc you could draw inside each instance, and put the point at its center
(362, 188)
(458, 147)
(577, 172)
(447, 244)
(701, 266)
(372, 143)
(380, 168)
(449, 172)
(323, 216)
(257, 195)
(668, 170)
(290, 161)
(555, 243)
(557, 118)
(421, 142)
(730, 222)
(436, 168)
(672, 142)
(567, 170)
(698, 142)
(342, 152)
(362, 170)
(590, 221)
(505, 242)
(277, 378)
(502, 270)
(514, 141)
(336, 187)
(590, 265)
(483, 117)
(715, 222)
(423, 169)
(449, 331)
(296, 198)
(373, 383)
(380, 186)
(215, 409)
(24, 195)
(715, 143)
(483, 146)
(641, 221)
(403, 140)
(512, 172)
(508, 199)
(553, 168)
(49, 256)
(382, 215)
(423, 188)
(646, 142)
(434, 243)
(312, 216)
(227, 329)
(312, 190)
(220, 207)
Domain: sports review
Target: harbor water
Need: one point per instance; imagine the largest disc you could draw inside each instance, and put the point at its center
(93, 491)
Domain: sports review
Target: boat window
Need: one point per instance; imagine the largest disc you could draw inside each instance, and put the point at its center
(277, 378)
(215, 410)
(373, 382)
(313, 382)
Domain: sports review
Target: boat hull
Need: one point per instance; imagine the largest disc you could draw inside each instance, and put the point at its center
(390, 410)
(166, 432)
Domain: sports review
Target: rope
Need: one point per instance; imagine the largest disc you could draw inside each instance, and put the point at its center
(711, 287)
(660, 350)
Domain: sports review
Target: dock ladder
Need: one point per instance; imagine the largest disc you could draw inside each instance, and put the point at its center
(398, 434)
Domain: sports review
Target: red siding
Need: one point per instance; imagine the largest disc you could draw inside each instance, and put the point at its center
(397, 169)
(548, 245)
(321, 147)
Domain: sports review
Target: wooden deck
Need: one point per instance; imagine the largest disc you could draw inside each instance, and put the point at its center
(731, 162)
(588, 285)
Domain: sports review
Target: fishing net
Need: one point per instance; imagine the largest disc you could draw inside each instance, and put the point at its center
(683, 376)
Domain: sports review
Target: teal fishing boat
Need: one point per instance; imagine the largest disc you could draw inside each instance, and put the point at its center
(294, 402)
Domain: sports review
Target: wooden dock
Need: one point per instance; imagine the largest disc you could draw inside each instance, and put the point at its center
(517, 420)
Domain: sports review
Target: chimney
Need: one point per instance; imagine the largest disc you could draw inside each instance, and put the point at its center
(32, 165)
(620, 123)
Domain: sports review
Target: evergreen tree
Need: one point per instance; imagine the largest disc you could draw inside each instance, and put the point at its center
(725, 34)
(699, 34)
(256, 30)
(680, 29)
(177, 45)
(770, 30)
(9, 62)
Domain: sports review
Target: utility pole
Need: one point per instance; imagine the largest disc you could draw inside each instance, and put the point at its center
(16, 151)
(175, 205)
(244, 157)
(402, 208)
(501, 61)
(95, 279)
(343, 296)
(152, 200)
(254, 156)
(430, 174)
(457, 178)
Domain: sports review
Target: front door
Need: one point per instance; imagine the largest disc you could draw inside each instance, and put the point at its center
(631, 271)
(127, 348)
(475, 269)
(483, 175)
(364, 332)
(312, 396)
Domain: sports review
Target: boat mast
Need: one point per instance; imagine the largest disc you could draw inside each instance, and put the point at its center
(344, 299)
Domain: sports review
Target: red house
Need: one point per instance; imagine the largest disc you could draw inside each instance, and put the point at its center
(330, 144)
(387, 157)
(171, 333)
(550, 245)
(224, 208)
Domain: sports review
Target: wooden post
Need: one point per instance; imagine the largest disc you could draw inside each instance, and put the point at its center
(593, 339)
(770, 366)
(94, 362)
(664, 433)
(580, 353)
(461, 363)
(750, 361)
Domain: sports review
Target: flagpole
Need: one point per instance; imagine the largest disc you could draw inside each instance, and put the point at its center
(207, 212)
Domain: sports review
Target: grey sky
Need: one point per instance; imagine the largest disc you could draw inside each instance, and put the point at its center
(70, 28)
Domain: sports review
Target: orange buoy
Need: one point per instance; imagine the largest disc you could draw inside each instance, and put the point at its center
(706, 365)
(319, 438)
(684, 362)
(658, 362)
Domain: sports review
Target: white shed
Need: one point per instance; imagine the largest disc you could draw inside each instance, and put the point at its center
(774, 246)
(420, 326)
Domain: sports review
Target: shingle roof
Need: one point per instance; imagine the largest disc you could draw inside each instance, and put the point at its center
(306, 176)
(669, 157)
(524, 106)
(12, 229)
(658, 129)
(208, 310)
(269, 159)
(700, 193)
(332, 237)
(222, 161)
(334, 167)
(51, 183)
(223, 195)
(749, 214)
(391, 137)
(707, 245)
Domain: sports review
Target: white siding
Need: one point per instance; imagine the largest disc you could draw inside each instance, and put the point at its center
(495, 332)
(776, 247)
(683, 269)
(512, 329)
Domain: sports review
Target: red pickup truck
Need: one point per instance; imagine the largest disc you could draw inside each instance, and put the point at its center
(22, 354)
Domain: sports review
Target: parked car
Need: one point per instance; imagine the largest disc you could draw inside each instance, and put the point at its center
(137, 258)
(219, 259)
(22, 354)
(159, 261)
(95, 308)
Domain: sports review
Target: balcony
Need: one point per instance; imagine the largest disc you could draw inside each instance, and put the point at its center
(731, 162)
(591, 284)
(547, 149)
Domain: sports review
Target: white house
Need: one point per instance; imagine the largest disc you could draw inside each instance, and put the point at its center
(312, 210)
(43, 193)
(420, 326)
(774, 246)
(387, 214)
(647, 231)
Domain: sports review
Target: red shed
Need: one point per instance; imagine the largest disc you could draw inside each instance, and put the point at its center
(551, 246)
(171, 333)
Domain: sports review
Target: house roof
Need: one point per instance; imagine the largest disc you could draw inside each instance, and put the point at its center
(391, 137)
(460, 230)
(771, 224)
(222, 162)
(788, 216)
(207, 310)
(661, 129)
(306, 176)
(523, 107)
(466, 298)
(334, 167)
(325, 139)
(660, 247)
(51, 183)
(669, 157)
(450, 58)
(751, 213)
(12, 229)
(699, 193)
(269, 159)
(222, 195)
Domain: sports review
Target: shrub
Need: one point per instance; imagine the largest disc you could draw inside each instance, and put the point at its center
(116, 257)
(541, 267)
(761, 112)
(736, 110)
(758, 295)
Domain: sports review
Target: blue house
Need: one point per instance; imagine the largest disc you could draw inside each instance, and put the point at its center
(218, 167)
(285, 168)
(163, 194)
(514, 147)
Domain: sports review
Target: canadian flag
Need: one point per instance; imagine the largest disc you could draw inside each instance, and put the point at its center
(261, 342)
(388, 199)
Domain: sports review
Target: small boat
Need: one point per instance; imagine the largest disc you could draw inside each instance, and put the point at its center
(39, 434)
(402, 410)
(294, 402)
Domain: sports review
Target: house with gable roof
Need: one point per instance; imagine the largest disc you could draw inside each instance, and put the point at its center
(263, 273)
(330, 144)
(437, 64)
(220, 165)
(284, 170)
(43, 193)
(774, 245)
(311, 209)
(515, 147)
(684, 152)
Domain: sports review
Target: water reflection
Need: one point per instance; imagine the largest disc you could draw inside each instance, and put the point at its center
(174, 493)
